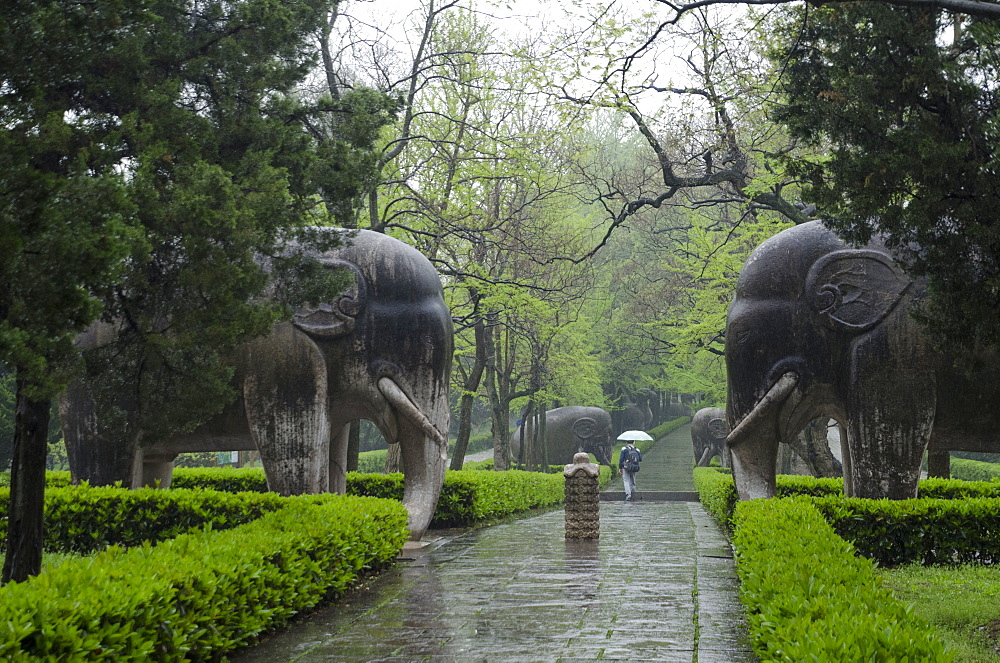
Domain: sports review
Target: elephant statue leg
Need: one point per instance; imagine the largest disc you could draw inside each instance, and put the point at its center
(889, 431)
(338, 459)
(287, 410)
(157, 469)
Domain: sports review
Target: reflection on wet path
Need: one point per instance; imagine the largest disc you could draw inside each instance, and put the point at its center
(659, 585)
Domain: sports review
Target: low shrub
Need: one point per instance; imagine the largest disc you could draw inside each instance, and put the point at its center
(469, 497)
(201, 594)
(372, 461)
(974, 470)
(925, 530)
(809, 598)
(228, 479)
(717, 493)
(668, 427)
(84, 519)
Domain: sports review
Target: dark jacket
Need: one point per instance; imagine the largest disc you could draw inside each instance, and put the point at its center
(629, 453)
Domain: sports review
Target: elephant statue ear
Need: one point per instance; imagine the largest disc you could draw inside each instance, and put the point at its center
(718, 429)
(584, 428)
(855, 289)
(335, 318)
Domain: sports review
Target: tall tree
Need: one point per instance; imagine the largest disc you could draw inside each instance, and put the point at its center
(907, 101)
(150, 153)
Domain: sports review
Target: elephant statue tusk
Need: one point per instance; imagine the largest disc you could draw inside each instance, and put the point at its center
(402, 402)
(777, 394)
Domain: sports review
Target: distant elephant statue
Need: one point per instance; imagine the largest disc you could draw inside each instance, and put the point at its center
(637, 414)
(382, 352)
(572, 429)
(819, 328)
(708, 436)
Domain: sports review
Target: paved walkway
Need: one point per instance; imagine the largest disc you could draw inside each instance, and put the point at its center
(659, 585)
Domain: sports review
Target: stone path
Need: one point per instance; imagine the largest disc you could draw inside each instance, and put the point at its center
(659, 585)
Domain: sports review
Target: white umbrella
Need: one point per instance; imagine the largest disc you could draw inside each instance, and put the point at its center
(634, 435)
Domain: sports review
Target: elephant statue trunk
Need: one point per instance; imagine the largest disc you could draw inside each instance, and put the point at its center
(754, 441)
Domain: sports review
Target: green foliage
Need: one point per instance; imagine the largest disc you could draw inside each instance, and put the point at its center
(469, 497)
(228, 479)
(7, 399)
(82, 519)
(717, 493)
(906, 101)
(201, 594)
(928, 531)
(668, 427)
(974, 470)
(372, 461)
(809, 598)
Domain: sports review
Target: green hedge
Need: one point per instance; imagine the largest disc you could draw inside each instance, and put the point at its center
(717, 490)
(201, 594)
(974, 470)
(469, 497)
(928, 531)
(82, 519)
(809, 598)
(668, 427)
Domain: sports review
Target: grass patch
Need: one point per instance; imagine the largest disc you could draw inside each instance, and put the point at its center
(961, 602)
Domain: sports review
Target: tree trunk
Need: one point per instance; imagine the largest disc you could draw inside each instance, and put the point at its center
(353, 446)
(543, 443)
(27, 489)
(470, 387)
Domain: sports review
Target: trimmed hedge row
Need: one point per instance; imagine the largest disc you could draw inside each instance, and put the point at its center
(974, 470)
(717, 490)
(83, 519)
(469, 497)
(925, 530)
(200, 594)
(809, 598)
(668, 427)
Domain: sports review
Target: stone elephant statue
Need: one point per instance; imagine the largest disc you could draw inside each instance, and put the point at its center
(572, 429)
(819, 328)
(638, 415)
(708, 436)
(382, 352)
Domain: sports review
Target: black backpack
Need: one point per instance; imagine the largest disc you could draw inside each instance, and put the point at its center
(631, 463)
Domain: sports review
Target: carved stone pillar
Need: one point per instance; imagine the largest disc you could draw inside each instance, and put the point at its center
(583, 514)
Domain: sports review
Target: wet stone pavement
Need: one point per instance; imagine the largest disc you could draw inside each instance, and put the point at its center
(659, 585)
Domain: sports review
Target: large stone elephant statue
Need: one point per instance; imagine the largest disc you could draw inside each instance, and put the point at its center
(822, 329)
(708, 436)
(382, 352)
(572, 429)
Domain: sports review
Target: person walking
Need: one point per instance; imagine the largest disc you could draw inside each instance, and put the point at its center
(628, 464)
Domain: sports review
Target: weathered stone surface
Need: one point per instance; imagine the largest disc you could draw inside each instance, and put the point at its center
(582, 492)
